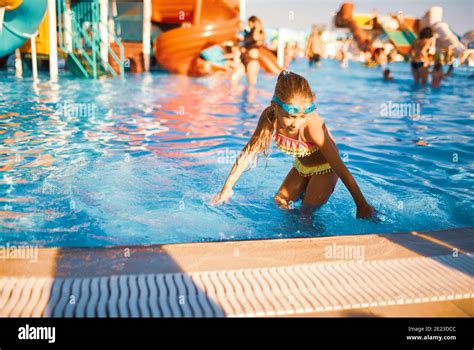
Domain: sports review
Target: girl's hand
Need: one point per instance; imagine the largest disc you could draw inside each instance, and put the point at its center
(366, 212)
(222, 197)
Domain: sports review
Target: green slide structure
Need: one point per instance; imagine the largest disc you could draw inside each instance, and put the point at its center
(401, 39)
(19, 24)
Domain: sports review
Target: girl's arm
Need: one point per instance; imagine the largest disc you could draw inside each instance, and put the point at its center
(247, 154)
(238, 168)
(321, 136)
(307, 50)
(425, 50)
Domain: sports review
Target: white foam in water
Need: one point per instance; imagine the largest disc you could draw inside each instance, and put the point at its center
(143, 198)
(414, 210)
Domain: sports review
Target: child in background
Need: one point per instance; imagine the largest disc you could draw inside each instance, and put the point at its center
(420, 57)
(437, 75)
(380, 58)
(387, 74)
(314, 47)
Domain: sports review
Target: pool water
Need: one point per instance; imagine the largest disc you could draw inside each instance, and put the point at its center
(111, 162)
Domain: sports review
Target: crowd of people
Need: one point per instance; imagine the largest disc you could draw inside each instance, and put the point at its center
(425, 60)
(241, 56)
(422, 58)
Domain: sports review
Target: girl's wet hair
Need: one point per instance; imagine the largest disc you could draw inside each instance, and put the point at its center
(254, 19)
(426, 33)
(289, 86)
(292, 86)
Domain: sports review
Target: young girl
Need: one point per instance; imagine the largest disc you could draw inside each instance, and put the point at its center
(437, 75)
(419, 54)
(302, 133)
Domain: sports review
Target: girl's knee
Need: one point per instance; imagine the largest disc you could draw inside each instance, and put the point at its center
(308, 209)
(316, 201)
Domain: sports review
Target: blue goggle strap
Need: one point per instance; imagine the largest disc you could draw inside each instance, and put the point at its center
(292, 109)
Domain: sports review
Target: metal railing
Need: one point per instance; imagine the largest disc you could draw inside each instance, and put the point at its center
(79, 35)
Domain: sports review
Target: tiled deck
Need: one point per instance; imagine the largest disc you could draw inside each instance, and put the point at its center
(402, 274)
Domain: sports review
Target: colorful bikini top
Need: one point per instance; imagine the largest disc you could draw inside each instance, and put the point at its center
(288, 145)
(293, 147)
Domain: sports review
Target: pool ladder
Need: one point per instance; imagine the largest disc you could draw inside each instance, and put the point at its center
(82, 39)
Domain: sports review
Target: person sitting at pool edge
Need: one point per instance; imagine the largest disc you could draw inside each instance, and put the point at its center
(301, 133)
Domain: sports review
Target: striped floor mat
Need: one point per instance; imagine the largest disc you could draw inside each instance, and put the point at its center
(288, 290)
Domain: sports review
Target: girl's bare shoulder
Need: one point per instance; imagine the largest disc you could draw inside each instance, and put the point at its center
(316, 121)
(315, 127)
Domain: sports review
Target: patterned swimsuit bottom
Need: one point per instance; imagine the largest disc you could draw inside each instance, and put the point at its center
(299, 148)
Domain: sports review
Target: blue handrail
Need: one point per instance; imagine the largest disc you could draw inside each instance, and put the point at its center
(86, 38)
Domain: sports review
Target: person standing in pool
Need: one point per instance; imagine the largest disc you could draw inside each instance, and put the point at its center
(437, 74)
(419, 55)
(380, 58)
(253, 40)
(314, 47)
(301, 133)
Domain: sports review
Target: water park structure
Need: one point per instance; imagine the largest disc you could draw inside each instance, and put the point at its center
(401, 31)
(108, 38)
(95, 42)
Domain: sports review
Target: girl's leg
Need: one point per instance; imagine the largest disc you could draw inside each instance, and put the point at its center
(291, 188)
(318, 191)
(238, 73)
(416, 75)
(253, 66)
(252, 72)
(424, 75)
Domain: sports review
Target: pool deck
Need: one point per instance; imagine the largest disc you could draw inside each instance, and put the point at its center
(411, 274)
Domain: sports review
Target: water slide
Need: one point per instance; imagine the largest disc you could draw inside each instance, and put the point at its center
(207, 23)
(446, 38)
(345, 19)
(400, 36)
(401, 39)
(178, 49)
(268, 61)
(18, 20)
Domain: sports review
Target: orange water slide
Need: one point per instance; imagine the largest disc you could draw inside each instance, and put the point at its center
(203, 23)
(344, 19)
(268, 61)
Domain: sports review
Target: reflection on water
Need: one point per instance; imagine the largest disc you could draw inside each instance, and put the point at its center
(120, 162)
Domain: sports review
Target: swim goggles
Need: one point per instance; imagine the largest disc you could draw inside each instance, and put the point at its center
(292, 109)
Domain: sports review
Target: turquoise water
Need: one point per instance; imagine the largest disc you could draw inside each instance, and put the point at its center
(114, 162)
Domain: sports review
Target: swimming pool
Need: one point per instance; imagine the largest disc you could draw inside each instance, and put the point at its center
(111, 162)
